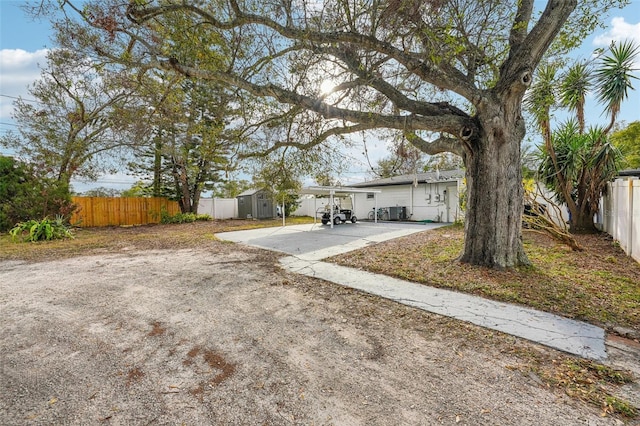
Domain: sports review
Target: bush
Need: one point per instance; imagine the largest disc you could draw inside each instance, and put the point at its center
(165, 217)
(43, 230)
(26, 194)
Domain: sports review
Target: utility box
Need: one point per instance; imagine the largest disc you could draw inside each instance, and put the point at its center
(398, 213)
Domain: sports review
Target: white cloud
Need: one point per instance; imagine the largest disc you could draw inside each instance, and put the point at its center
(620, 30)
(18, 68)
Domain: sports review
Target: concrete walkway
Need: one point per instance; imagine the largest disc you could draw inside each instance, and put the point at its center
(308, 245)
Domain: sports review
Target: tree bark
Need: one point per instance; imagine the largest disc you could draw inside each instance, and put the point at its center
(493, 222)
(583, 224)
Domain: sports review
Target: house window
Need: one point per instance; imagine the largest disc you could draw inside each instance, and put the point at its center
(370, 195)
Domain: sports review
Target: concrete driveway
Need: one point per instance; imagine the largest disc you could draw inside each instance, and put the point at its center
(309, 244)
(317, 241)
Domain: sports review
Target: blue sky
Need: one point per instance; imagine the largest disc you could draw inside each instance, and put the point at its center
(23, 44)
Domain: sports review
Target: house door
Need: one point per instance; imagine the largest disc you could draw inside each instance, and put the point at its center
(451, 200)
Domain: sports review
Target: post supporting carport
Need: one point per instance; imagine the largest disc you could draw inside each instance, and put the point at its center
(331, 194)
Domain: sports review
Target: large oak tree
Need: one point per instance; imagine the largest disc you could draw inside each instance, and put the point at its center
(449, 75)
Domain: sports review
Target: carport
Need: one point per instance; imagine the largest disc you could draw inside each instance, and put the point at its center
(339, 191)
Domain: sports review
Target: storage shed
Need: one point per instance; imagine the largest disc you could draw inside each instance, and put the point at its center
(256, 204)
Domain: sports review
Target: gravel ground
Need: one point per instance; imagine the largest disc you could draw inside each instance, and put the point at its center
(222, 336)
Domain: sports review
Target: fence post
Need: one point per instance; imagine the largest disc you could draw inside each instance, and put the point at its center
(614, 212)
(630, 225)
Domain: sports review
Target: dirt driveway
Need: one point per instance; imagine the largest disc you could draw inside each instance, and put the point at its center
(222, 336)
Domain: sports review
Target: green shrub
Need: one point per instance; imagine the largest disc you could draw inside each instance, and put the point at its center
(25, 193)
(41, 230)
(165, 217)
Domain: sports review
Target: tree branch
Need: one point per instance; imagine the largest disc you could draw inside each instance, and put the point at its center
(394, 95)
(442, 144)
(451, 123)
(335, 131)
(443, 75)
(525, 54)
(520, 24)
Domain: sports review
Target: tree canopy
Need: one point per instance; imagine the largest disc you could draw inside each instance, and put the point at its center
(627, 139)
(448, 75)
(80, 117)
(410, 66)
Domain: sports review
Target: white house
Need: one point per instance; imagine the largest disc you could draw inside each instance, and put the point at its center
(432, 196)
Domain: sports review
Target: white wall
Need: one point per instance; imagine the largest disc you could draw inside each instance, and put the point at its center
(308, 206)
(558, 213)
(621, 214)
(426, 201)
(219, 208)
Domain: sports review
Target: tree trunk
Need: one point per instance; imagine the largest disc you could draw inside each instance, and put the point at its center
(493, 221)
(195, 198)
(157, 167)
(185, 193)
(582, 223)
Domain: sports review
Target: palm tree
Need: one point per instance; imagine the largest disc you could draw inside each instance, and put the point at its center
(541, 98)
(613, 78)
(575, 164)
(573, 90)
(584, 163)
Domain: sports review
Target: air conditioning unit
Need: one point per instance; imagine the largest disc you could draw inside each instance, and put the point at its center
(398, 213)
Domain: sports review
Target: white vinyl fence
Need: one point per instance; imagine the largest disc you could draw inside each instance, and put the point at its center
(219, 208)
(309, 206)
(621, 214)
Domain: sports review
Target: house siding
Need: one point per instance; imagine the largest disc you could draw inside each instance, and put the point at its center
(425, 201)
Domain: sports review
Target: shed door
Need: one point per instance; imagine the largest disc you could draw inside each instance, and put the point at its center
(244, 207)
(265, 207)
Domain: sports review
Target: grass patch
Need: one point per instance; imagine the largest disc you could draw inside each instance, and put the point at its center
(600, 285)
(590, 382)
(588, 286)
(89, 241)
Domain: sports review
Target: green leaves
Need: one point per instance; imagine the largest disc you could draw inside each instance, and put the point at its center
(628, 141)
(577, 163)
(542, 95)
(613, 76)
(585, 162)
(41, 230)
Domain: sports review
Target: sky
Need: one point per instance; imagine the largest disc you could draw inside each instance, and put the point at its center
(24, 43)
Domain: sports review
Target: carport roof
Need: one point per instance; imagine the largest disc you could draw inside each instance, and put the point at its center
(339, 191)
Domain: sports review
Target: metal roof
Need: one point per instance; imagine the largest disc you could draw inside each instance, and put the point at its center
(428, 177)
(629, 172)
(339, 191)
(251, 191)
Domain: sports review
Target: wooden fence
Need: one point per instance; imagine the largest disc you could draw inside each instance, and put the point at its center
(116, 211)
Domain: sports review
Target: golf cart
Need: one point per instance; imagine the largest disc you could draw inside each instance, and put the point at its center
(339, 216)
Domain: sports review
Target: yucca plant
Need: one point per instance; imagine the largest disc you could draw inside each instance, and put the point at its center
(576, 163)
